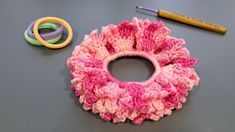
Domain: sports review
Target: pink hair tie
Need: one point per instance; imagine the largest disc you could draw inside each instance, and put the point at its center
(117, 101)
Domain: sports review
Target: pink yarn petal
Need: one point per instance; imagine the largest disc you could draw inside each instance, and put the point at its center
(150, 39)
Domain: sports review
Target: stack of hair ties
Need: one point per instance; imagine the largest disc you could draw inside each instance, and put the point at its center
(32, 35)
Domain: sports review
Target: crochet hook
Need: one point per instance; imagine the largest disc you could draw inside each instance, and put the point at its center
(187, 20)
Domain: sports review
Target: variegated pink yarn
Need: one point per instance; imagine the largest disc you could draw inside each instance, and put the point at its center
(118, 101)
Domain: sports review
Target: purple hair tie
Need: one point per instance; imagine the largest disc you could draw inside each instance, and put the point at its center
(45, 36)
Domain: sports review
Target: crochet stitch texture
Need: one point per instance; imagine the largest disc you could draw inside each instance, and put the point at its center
(118, 101)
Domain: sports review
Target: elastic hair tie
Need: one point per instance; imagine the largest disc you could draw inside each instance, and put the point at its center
(118, 101)
(53, 20)
(43, 26)
(36, 43)
(113, 57)
(59, 31)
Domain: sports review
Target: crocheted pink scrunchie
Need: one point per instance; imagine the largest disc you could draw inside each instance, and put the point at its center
(118, 101)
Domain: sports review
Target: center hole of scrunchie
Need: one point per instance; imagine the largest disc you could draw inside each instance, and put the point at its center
(131, 69)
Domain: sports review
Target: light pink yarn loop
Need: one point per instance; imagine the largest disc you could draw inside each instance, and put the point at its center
(132, 53)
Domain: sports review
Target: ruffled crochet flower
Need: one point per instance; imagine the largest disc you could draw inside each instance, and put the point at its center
(117, 101)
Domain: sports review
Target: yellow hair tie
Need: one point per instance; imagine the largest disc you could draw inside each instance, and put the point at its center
(53, 20)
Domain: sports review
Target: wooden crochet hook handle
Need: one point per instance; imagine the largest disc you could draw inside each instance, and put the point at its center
(192, 21)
